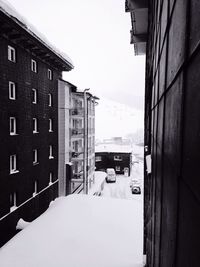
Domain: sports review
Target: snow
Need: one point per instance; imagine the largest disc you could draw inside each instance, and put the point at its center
(21, 224)
(113, 148)
(80, 231)
(10, 11)
(148, 163)
(99, 181)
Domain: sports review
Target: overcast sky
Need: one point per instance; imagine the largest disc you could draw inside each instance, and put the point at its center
(95, 34)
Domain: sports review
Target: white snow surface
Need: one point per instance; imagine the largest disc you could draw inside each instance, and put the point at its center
(79, 231)
(114, 148)
(10, 11)
(148, 163)
(98, 185)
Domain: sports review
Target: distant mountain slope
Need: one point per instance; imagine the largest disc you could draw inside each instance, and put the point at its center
(115, 119)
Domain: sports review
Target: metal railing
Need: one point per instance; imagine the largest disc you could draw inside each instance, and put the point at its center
(77, 131)
(76, 111)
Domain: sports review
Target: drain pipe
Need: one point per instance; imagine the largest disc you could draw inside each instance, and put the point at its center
(85, 141)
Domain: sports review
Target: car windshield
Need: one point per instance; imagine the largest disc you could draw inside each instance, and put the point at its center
(110, 172)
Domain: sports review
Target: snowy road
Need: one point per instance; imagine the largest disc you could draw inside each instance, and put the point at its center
(121, 189)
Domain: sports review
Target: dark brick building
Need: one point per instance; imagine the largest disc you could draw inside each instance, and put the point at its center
(29, 73)
(114, 156)
(172, 129)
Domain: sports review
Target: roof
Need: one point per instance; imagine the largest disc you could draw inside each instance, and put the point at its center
(10, 12)
(112, 148)
(79, 231)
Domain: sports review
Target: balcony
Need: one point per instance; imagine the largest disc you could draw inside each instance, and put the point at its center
(77, 156)
(77, 131)
(77, 112)
(91, 130)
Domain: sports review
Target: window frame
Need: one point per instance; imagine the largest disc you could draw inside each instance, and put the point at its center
(34, 96)
(50, 178)
(35, 188)
(13, 201)
(97, 160)
(50, 74)
(50, 125)
(13, 126)
(50, 98)
(35, 125)
(12, 90)
(51, 152)
(11, 54)
(117, 158)
(33, 65)
(13, 164)
(35, 156)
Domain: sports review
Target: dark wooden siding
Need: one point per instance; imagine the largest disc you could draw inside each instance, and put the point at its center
(25, 141)
(172, 133)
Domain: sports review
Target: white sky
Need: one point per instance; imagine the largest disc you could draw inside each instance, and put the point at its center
(96, 36)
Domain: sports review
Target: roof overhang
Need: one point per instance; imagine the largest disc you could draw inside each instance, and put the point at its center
(139, 21)
(16, 29)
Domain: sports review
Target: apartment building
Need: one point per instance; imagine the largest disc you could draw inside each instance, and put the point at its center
(29, 71)
(77, 133)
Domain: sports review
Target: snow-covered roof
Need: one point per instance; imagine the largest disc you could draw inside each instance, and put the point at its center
(11, 12)
(113, 148)
(80, 231)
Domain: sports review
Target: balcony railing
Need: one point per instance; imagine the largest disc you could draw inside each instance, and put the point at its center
(77, 156)
(91, 130)
(77, 131)
(77, 112)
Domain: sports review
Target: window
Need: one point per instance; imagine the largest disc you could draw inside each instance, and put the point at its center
(11, 54)
(13, 126)
(35, 188)
(13, 164)
(117, 168)
(35, 156)
(50, 125)
(51, 152)
(50, 178)
(12, 91)
(50, 100)
(34, 96)
(98, 158)
(49, 74)
(35, 125)
(33, 65)
(13, 201)
(118, 158)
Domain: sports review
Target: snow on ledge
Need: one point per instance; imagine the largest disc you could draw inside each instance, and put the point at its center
(80, 231)
(148, 163)
(11, 12)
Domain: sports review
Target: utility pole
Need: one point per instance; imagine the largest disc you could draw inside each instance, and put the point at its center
(85, 142)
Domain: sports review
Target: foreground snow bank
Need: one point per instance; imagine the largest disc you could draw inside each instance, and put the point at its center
(79, 231)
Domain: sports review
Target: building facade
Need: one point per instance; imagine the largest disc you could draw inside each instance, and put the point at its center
(172, 128)
(29, 73)
(77, 132)
(118, 157)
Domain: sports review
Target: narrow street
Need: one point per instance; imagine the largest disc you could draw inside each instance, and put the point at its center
(121, 189)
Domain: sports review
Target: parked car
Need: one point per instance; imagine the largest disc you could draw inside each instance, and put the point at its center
(135, 186)
(111, 175)
(134, 182)
(136, 190)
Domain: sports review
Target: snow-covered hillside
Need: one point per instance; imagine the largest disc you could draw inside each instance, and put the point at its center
(115, 119)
